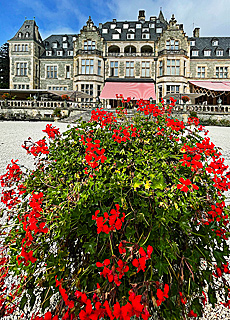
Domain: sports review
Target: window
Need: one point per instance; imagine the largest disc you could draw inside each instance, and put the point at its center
(59, 53)
(145, 69)
(172, 44)
(114, 68)
(67, 72)
(173, 67)
(129, 69)
(222, 72)
(98, 90)
(36, 70)
(152, 25)
(104, 30)
(89, 45)
(49, 53)
(192, 43)
(113, 26)
(27, 34)
(184, 68)
(21, 69)
(65, 45)
(161, 68)
(17, 47)
(145, 36)
(207, 53)
(160, 92)
(125, 26)
(27, 86)
(172, 89)
(116, 36)
(87, 88)
(51, 72)
(26, 47)
(219, 52)
(201, 72)
(158, 30)
(55, 45)
(130, 36)
(195, 53)
(87, 66)
(70, 53)
(20, 35)
(138, 26)
(215, 42)
(64, 38)
(15, 86)
(99, 67)
(23, 47)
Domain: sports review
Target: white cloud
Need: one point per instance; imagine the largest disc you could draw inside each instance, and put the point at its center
(211, 16)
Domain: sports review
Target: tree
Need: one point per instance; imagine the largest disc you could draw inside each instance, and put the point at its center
(4, 66)
(117, 220)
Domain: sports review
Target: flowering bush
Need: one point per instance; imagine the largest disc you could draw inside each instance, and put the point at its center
(185, 98)
(118, 219)
(65, 97)
(6, 96)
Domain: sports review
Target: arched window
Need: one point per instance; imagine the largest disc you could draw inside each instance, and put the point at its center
(20, 35)
(113, 50)
(27, 34)
(130, 49)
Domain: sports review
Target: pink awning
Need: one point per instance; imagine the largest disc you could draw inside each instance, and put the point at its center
(213, 85)
(134, 90)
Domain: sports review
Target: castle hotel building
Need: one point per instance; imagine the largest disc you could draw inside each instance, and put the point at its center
(140, 59)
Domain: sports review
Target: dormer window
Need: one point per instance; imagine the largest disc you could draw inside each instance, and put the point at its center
(125, 26)
(70, 53)
(131, 29)
(20, 35)
(89, 45)
(49, 53)
(195, 53)
(27, 34)
(145, 36)
(138, 26)
(215, 42)
(152, 25)
(54, 45)
(104, 30)
(207, 53)
(158, 30)
(64, 38)
(130, 36)
(65, 45)
(116, 36)
(112, 26)
(219, 52)
(60, 53)
(27, 26)
(192, 43)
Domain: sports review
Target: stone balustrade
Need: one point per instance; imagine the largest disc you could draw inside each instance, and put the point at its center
(32, 104)
(202, 108)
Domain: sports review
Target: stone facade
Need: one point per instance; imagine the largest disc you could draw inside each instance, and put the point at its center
(154, 50)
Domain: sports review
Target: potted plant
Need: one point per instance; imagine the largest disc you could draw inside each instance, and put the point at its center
(185, 99)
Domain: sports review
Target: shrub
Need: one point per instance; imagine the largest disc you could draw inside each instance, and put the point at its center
(117, 220)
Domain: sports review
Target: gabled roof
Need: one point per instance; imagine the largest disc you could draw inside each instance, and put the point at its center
(28, 31)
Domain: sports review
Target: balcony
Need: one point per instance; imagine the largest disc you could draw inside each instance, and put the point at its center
(114, 54)
(172, 52)
(89, 52)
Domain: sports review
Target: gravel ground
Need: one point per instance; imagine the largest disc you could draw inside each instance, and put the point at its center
(14, 133)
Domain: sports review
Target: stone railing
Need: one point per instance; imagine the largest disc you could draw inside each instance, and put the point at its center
(172, 52)
(32, 104)
(202, 108)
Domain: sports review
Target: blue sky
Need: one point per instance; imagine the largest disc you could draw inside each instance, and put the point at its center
(68, 16)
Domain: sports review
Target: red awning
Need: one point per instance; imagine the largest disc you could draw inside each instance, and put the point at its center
(134, 90)
(213, 85)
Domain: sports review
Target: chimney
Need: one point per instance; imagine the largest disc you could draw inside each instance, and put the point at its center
(100, 25)
(114, 20)
(141, 16)
(196, 32)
